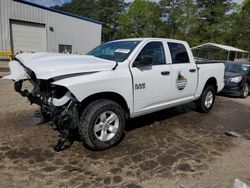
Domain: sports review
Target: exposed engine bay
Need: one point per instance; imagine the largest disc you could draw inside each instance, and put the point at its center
(58, 105)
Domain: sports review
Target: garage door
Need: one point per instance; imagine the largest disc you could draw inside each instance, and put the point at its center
(28, 37)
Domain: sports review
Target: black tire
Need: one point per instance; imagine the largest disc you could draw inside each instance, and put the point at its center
(201, 102)
(45, 113)
(88, 120)
(245, 91)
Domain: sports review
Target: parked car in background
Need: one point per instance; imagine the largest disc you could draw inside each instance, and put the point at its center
(237, 79)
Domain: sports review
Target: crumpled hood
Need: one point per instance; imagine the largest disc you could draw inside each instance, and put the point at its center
(50, 65)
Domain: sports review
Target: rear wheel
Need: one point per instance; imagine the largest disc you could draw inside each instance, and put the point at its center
(245, 91)
(206, 101)
(102, 124)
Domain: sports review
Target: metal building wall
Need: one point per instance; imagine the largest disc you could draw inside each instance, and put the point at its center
(81, 34)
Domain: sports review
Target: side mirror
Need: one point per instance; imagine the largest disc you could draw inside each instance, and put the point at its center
(145, 60)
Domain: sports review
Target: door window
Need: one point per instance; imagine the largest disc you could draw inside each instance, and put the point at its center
(155, 50)
(178, 53)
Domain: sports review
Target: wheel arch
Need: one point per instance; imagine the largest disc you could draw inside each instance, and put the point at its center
(107, 95)
(212, 81)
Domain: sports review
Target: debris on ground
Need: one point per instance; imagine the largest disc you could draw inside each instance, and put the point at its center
(232, 134)
(240, 184)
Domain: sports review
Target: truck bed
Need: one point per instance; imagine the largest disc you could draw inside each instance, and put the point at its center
(209, 62)
(210, 69)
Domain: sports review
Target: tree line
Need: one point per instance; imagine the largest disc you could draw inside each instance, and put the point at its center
(199, 21)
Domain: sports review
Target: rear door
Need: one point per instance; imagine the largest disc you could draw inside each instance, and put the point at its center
(152, 83)
(184, 72)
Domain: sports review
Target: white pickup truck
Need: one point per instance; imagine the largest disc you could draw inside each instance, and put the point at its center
(96, 93)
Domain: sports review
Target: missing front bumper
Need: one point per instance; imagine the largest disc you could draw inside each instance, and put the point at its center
(44, 99)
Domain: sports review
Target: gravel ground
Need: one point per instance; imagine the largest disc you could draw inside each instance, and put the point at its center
(178, 147)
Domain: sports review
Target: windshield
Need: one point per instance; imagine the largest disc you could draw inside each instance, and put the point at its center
(115, 51)
(237, 68)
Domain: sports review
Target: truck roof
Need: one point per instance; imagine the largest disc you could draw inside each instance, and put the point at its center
(146, 39)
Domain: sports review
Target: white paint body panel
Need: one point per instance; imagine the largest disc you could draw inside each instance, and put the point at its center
(17, 72)
(192, 77)
(156, 95)
(160, 91)
(118, 81)
(207, 71)
(50, 65)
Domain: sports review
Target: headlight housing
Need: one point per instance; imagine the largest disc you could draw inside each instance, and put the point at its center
(236, 79)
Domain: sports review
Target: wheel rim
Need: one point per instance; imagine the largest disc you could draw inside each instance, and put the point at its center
(246, 90)
(209, 99)
(106, 126)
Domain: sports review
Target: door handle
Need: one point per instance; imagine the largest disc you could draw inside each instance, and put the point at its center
(165, 73)
(192, 70)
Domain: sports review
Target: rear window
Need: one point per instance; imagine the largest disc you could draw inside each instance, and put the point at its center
(178, 53)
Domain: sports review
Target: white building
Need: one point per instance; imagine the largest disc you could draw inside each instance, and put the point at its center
(28, 27)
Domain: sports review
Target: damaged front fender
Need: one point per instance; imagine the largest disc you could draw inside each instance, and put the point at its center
(42, 98)
(58, 105)
(17, 72)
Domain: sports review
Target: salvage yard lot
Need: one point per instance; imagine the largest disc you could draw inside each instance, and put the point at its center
(178, 147)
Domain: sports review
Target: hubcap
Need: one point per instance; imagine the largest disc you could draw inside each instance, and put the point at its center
(106, 126)
(209, 99)
(246, 91)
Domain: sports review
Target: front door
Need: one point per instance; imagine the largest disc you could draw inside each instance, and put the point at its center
(152, 83)
(184, 73)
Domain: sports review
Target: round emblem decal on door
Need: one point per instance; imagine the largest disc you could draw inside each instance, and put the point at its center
(181, 81)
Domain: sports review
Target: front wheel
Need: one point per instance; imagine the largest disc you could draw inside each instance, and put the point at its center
(102, 124)
(206, 101)
(245, 91)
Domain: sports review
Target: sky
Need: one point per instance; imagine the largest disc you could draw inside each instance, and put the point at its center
(50, 3)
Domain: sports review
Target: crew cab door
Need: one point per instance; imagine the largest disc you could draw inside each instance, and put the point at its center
(184, 72)
(151, 82)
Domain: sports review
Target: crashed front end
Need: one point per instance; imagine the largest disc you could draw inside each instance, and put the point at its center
(57, 103)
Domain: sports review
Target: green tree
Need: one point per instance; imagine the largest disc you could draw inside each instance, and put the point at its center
(212, 18)
(182, 22)
(109, 11)
(80, 7)
(196, 21)
(142, 19)
(230, 34)
(173, 9)
(242, 27)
